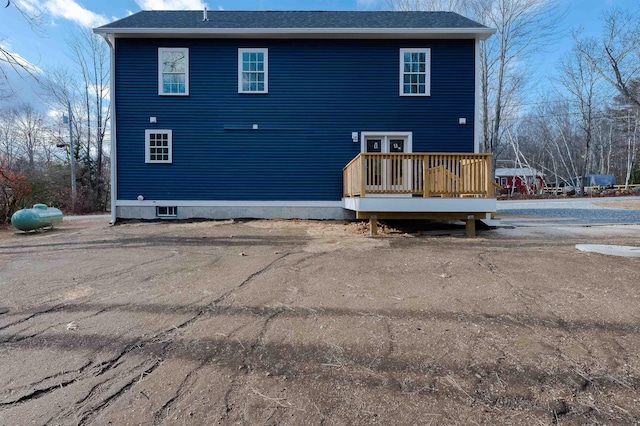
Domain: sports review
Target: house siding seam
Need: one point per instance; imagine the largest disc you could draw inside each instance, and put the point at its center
(320, 91)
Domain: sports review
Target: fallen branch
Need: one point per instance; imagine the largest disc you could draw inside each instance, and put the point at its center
(275, 400)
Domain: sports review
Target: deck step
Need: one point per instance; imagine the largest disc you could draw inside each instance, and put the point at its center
(491, 223)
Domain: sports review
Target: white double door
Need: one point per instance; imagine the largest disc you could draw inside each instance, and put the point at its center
(387, 173)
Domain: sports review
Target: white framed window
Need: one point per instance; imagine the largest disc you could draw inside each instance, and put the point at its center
(253, 70)
(158, 146)
(166, 211)
(415, 72)
(173, 71)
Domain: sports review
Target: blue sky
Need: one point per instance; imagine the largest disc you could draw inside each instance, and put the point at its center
(62, 17)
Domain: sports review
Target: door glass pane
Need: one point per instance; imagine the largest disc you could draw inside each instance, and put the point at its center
(373, 166)
(374, 145)
(396, 145)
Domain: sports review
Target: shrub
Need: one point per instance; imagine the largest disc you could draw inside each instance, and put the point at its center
(14, 189)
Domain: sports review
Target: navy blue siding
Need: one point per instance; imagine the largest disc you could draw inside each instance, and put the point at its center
(319, 92)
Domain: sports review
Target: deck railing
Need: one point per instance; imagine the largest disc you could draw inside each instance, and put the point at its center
(429, 175)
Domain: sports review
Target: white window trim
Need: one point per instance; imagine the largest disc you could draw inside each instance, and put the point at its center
(185, 50)
(264, 51)
(427, 81)
(168, 214)
(147, 147)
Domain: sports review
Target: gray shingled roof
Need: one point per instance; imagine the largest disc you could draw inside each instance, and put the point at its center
(292, 20)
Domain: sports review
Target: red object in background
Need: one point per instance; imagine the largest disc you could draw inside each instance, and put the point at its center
(519, 184)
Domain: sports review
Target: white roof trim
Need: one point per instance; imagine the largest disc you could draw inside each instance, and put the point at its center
(479, 33)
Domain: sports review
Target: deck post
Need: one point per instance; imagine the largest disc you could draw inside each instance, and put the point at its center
(471, 226)
(489, 175)
(363, 176)
(425, 177)
(373, 225)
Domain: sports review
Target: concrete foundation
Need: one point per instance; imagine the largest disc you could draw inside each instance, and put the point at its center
(238, 212)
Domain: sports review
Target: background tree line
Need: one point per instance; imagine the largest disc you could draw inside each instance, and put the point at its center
(588, 121)
(35, 148)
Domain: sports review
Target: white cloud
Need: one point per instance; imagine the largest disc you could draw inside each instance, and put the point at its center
(32, 7)
(16, 61)
(72, 11)
(171, 4)
(65, 9)
(19, 86)
(5, 45)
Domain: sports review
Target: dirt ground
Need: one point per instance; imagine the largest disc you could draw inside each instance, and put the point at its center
(299, 322)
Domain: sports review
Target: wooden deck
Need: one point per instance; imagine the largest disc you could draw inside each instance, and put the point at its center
(421, 174)
(420, 186)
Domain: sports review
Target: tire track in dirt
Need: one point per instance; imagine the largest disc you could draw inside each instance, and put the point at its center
(162, 414)
(248, 365)
(108, 274)
(123, 386)
(14, 338)
(209, 307)
(165, 338)
(42, 391)
(33, 315)
(524, 299)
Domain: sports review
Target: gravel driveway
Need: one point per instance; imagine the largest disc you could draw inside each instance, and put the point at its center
(573, 211)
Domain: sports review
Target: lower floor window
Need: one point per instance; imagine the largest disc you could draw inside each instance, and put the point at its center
(168, 211)
(158, 146)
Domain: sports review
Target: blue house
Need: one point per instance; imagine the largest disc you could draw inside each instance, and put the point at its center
(296, 114)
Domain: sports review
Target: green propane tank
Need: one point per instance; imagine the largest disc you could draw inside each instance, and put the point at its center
(40, 216)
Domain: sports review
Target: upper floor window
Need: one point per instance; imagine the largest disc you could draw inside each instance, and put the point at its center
(173, 71)
(415, 75)
(158, 146)
(253, 70)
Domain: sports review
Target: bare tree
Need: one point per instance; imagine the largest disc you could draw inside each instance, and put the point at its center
(603, 146)
(581, 81)
(8, 137)
(85, 88)
(91, 55)
(12, 60)
(30, 127)
(523, 27)
(616, 54)
(632, 143)
(463, 7)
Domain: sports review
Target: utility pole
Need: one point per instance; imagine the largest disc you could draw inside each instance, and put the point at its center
(74, 191)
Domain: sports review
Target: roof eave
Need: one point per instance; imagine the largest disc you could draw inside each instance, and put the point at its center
(454, 33)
